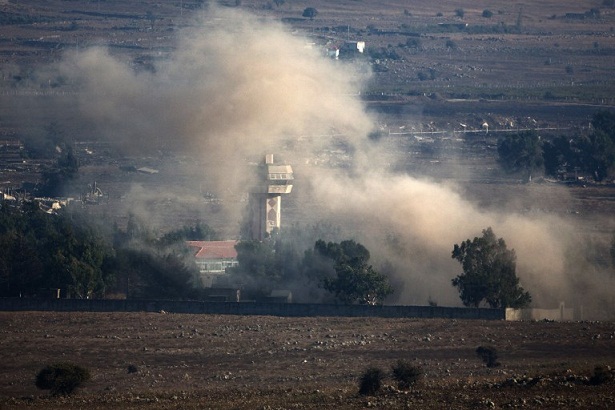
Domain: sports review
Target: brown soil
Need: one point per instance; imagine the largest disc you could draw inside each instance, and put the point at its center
(232, 362)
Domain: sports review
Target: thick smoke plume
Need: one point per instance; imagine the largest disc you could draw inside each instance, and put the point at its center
(231, 91)
(414, 223)
(240, 87)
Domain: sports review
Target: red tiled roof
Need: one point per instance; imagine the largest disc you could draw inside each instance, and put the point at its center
(214, 249)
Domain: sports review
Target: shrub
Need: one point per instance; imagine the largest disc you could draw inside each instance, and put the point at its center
(132, 368)
(602, 374)
(489, 355)
(460, 13)
(61, 378)
(405, 374)
(371, 381)
(310, 12)
(413, 43)
(549, 95)
(487, 13)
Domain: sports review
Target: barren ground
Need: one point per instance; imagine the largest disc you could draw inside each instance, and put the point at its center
(231, 362)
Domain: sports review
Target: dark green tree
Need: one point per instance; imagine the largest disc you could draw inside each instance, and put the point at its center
(521, 153)
(198, 232)
(354, 280)
(488, 273)
(258, 270)
(559, 154)
(39, 251)
(257, 259)
(21, 268)
(598, 148)
(149, 274)
(77, 250)
(56, 179)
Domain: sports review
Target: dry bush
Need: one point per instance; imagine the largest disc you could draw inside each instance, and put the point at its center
(371, 381)
(406, 374)
(489, 355)
(61, 378)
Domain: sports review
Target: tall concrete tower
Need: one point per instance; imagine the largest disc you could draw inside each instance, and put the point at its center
(266, 200)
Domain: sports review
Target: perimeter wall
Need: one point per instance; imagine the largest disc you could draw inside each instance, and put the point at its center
(247, 308)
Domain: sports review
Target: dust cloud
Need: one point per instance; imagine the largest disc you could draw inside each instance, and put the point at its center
(234, 89)
(413, 224)
(238, 87)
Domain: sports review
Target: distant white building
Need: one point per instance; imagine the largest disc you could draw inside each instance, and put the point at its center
(147, 170)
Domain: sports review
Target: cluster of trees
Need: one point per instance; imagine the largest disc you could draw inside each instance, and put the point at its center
(40, 251)
(67, 251)
(341, 269)
(592, 153)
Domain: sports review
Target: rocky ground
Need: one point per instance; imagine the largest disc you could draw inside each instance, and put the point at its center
(232, 362)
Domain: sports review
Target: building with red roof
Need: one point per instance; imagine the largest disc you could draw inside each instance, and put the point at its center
(213, 258)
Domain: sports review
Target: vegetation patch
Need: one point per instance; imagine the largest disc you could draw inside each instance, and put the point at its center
(406, 374)
(489, 355)
(62, 378)
(371, 381)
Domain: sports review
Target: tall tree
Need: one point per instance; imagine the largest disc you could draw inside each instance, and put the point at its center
(598, 147)
(58, 177)
(559, 153)
(354, 281)
(258, 270)
(489, 273)
(38, 251)
(521, 152)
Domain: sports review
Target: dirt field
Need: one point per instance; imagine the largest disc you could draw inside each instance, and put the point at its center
(230, 362)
